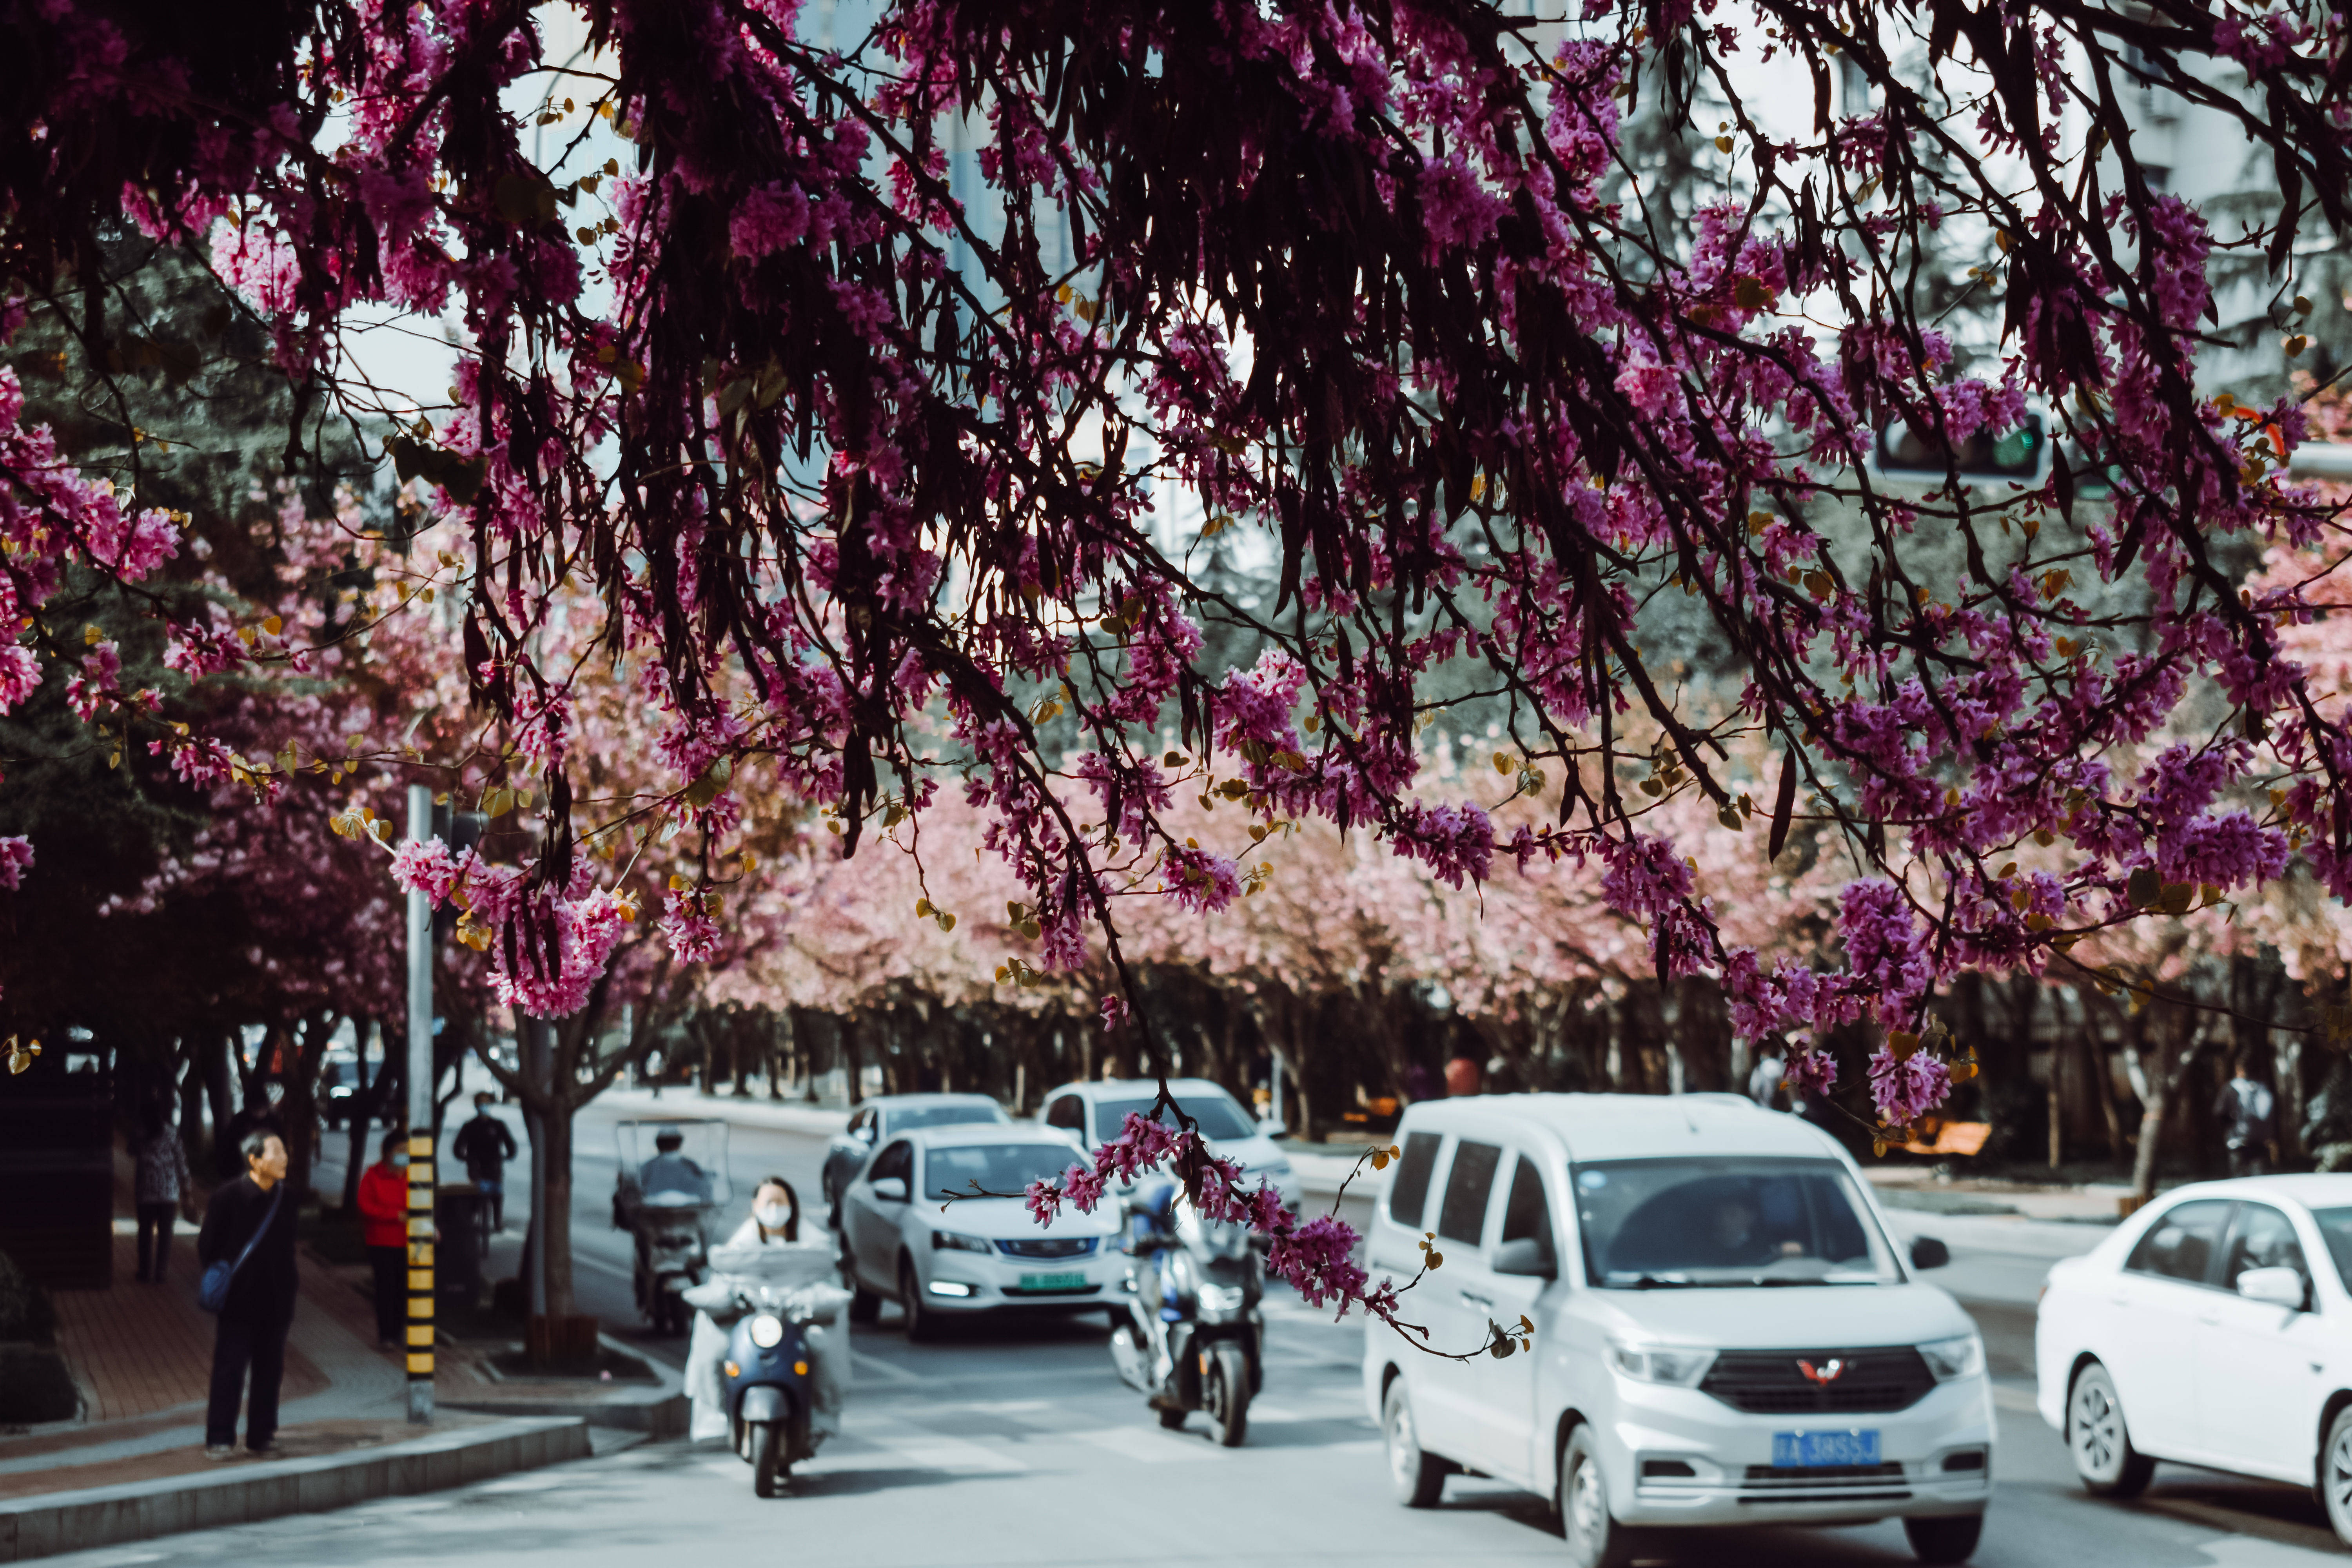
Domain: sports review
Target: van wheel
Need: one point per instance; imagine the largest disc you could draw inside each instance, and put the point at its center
(1946, 1540)
(2104, 1459)
(1418, 1478)
(1595, 1539)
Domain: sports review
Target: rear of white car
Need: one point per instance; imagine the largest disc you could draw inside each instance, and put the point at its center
(1723, 1333)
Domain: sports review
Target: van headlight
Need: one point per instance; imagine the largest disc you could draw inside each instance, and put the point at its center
(767, 1330)
(1960, 1356)
(1684, 1369)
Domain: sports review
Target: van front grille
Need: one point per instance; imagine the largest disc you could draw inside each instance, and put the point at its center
(1774, 1383)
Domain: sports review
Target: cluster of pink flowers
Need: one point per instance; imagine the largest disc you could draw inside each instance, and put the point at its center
(16, 860)
(1316, 1256)
(1906, 1086)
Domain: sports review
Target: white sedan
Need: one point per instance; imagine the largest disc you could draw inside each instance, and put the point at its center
(915, 1232)
(2213, 1328)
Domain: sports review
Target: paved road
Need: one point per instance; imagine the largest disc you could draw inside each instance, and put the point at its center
(1019, 1445)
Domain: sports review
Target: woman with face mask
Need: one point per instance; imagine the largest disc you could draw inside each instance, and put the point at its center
(775, 1216)
(775, 1222)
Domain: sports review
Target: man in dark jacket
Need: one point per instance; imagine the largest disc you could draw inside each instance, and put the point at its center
(251, 1331)
(485, 1145)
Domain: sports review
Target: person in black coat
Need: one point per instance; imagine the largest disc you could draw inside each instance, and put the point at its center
(486, 1146)
(253, 1322)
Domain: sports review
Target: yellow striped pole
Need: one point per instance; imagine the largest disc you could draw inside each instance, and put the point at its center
(420, 1276)
(420, 1127)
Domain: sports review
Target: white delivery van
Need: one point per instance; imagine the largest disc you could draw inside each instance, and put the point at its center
(1725, 1331)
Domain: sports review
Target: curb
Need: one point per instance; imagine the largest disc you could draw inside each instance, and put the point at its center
(658, 1412)
(140, 1510)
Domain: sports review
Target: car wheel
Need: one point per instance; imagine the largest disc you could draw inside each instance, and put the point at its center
(864, 1306)
(2104, 1457)
(2335, 1475)
(1946, 1540)
(921, 1327)
(1595, 1539)
(1417, 1479)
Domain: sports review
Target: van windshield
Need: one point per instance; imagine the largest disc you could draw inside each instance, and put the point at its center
(1725, 1222)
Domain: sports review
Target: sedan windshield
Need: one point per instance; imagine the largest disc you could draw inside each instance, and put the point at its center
(998, 1170)
(906, 1119)
(1219, 1117)
(1654, 1223)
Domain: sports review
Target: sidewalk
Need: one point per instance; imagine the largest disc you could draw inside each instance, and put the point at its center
(142, 1356)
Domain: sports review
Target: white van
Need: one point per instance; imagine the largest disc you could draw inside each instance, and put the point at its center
(1725, 1333)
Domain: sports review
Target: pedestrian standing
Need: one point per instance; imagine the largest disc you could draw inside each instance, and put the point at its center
(2246, 1110)
(163, 1191)
(249, 1225)
(485, 1145)
(383, 1212)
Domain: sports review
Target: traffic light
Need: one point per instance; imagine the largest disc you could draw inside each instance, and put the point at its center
(2018, 455)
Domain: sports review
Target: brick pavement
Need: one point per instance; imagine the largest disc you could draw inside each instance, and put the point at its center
(143, 1348)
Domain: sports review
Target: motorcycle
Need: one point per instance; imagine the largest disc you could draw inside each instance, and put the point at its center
(671, 1185)
(782, 1383)
(1194, 1335)
(768, 1390)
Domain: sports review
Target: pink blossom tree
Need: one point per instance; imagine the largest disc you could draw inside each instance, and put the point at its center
(861, 477)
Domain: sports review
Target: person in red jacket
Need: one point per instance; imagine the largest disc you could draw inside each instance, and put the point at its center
(384, 1206)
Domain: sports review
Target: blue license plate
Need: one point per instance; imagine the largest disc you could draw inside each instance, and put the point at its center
(1812, 1451)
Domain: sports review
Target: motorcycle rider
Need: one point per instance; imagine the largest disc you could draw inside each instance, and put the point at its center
(775, 1222)
(671, 1172)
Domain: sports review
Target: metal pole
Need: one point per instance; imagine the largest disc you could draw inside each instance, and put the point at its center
(420, 1126)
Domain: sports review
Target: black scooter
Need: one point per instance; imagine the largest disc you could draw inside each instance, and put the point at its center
(1195, 1337)
(768, 1390)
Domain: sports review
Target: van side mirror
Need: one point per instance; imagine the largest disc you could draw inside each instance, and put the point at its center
(864, 1134)
(1926, 1252)
(1525, 1257)
(890, 1190)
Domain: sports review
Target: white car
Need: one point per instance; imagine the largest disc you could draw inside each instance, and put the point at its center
(1094, 1113)
(913, 1232)
(2214, 1328)
(1724, 1330)
(887, 1116)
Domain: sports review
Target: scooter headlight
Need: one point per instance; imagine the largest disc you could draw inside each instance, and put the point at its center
(767, 1330)
(1221, 1298)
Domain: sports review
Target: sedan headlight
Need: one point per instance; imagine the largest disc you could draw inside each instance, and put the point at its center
(767, 1330)
(1960, 1356)
(1682, 1368)
(949, 1241)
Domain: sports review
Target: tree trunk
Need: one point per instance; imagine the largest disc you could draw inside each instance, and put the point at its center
(217, 1088)
(363, 1100)
(192, 1101)
(300, 1109)
(555, 1225)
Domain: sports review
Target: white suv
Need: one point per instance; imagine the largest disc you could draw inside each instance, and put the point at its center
(1724, 1333)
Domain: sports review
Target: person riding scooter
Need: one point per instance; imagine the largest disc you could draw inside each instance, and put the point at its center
(768, 1366)
(1195, 1332)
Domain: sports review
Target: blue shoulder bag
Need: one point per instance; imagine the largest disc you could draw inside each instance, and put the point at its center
(212, 1295)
